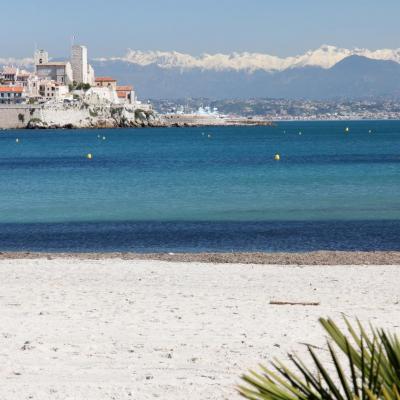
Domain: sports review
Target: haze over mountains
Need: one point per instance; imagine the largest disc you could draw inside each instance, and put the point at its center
(326, 73)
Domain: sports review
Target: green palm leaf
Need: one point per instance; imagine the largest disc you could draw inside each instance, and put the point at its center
(373, 370)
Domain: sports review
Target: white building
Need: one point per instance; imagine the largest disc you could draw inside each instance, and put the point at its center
(51, 90)
(60, 72)
(15, 76)
(11, 94)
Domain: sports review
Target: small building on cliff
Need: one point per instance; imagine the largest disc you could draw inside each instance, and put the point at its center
(11, 94)
(51, 90)
(106, 81)
(126, 94)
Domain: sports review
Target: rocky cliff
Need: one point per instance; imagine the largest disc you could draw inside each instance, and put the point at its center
(82, 115)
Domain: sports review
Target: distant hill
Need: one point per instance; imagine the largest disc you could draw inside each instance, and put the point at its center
(354, 77)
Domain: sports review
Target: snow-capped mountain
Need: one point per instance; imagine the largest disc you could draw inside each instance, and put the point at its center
(352, 77)
(324, 57)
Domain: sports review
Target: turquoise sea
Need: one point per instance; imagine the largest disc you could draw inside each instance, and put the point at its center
(202, 189)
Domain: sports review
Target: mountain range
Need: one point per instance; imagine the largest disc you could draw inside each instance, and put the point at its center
(352, 77)
(325, 73)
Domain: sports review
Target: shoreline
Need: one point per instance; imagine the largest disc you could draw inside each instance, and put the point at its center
(280, 258)
(164, 125)
(96, 330)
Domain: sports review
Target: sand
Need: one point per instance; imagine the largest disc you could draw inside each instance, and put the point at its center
(75, 328)
(304, 258)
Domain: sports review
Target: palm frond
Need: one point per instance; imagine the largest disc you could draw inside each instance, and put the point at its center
(372, 371)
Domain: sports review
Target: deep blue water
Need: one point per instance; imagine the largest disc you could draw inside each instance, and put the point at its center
(181, 190)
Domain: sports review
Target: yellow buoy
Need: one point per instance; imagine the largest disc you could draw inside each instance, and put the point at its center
(89, 156)
(277, 157)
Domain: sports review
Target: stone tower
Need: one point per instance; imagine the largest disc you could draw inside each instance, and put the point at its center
(41, 57)
(79, 62)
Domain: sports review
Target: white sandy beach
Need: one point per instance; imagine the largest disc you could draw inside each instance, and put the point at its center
(125, 329)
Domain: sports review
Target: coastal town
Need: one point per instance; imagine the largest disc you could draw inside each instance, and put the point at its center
(60, 81)
(67, 94)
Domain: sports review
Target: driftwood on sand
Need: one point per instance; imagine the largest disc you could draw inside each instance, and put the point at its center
(294, 303)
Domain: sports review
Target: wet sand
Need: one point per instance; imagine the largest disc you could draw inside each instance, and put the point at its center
(307, 258)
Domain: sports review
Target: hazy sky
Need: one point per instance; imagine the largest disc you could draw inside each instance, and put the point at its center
(279, 27)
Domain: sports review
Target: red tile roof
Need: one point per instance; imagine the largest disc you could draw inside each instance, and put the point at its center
(11, 89)
(105, 79)
(124, 88)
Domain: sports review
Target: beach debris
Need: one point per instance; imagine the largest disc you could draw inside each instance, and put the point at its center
(27, 346)
(277, 157)
(294, 303)
(89, 156)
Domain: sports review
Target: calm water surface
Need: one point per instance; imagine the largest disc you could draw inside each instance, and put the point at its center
(181, 190)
